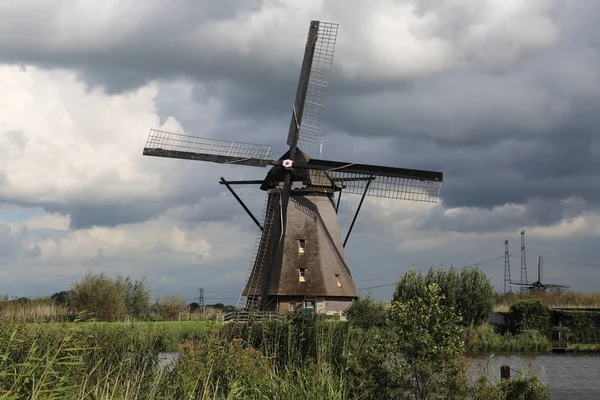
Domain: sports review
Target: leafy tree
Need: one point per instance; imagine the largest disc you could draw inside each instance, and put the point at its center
(62, 298)
(138, 296)
(475, 299)
(469, 293)
(365, 313)
(108, 299)
(431, 347)
(100, 296)
(170, 307)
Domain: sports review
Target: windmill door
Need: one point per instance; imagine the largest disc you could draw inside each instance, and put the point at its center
(308, 306)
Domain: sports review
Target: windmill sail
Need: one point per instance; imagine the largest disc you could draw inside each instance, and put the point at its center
(318, 83)
(387, 182)
(299, 262)
(175, 145)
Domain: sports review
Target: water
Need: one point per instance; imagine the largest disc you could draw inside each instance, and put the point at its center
(568, 376)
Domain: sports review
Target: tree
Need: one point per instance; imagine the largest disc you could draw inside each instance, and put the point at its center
(108, 299)
(99, 296)
(170, 307)
(429, 339)
(475, 299)
(470, 293)
(138, 296)
(365, 313)
(62, 298)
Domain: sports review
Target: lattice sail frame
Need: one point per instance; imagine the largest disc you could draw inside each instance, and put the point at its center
(318, 83)
(170, 141)
(391, 187)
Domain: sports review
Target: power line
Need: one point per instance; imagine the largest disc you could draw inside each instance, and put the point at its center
(378, 286)
(393, 284)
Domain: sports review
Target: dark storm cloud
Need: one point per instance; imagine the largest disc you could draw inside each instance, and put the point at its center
(510, 126)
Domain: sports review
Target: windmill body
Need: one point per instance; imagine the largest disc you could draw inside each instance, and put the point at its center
(299, 262)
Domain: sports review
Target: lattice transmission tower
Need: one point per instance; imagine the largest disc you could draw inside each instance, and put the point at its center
(523, 262)
(201, 298)
(507, 281)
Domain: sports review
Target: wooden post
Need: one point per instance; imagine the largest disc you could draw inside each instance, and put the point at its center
(505, 372)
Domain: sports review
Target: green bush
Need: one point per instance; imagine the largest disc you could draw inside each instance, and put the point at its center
(366, 313)
(530, 315)
(469, 293)
(521, 388)
(484, 338)
(583, 326)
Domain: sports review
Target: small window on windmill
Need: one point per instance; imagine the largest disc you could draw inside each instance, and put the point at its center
(337, 278)
(301, 246)
(301, 275)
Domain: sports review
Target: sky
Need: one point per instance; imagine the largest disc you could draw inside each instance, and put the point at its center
(502, 96)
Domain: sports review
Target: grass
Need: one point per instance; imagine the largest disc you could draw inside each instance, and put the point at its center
(41, 309)
(551, 299)
(278, 359)
(484, 338)
(164, 336)
(584, 348)
(119, 361)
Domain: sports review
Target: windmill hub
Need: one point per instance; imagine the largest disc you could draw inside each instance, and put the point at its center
(299, 263)
(287, 164)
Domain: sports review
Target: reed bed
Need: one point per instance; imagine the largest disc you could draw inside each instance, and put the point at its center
(484, 338)
(307, 358)
(554, 300)
(35, 310)
(121, 361)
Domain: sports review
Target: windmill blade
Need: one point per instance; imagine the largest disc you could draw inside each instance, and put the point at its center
(318, 83)
(551, 286)
(175, 145)
(387, 182)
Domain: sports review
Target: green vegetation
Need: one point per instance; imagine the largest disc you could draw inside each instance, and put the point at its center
(415, 349)
(556, 298)
(524, 387)
(469, 293)
(22, 310)
(98, 297)
(530, 315)
(365, 313)
(485, 338)
(583, 326)
(296, 357)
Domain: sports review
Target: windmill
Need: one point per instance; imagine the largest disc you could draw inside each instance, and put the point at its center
(538, 285)
(299, 261)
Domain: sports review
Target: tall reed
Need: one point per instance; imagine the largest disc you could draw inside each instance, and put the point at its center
(551, 299)
(35, 310)
(484, 338)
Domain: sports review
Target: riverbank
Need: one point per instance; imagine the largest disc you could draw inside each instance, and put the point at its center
(485, 338)
(298, 357)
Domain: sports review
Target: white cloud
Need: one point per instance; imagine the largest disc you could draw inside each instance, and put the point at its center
(71, 143)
